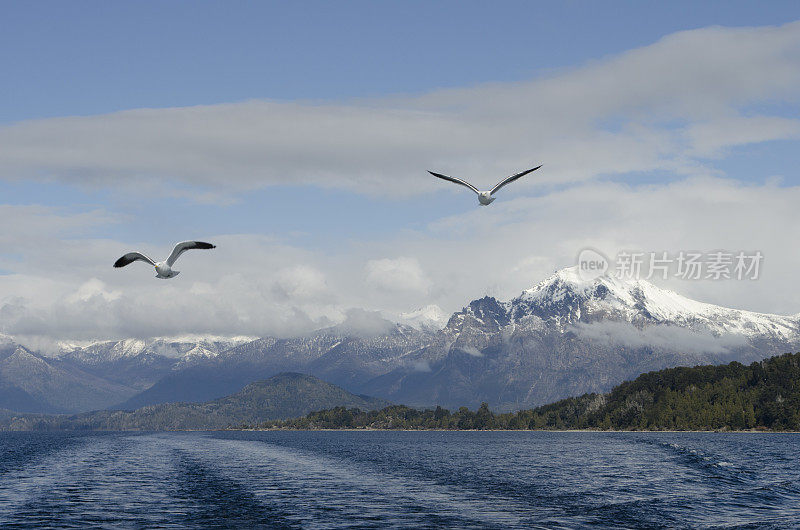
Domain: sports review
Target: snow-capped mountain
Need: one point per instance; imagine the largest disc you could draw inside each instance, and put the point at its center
(179, 348)
(562, 337)
(566, 299)
(566, 336)
(340, 355)
(428, 318)
(94, 375)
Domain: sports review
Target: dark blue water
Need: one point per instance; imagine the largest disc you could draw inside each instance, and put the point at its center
(400, 479)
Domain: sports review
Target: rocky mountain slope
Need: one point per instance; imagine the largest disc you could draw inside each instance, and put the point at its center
(30, 382)
(564, 336)
(332, 354)
(567, 336)
(96, 375)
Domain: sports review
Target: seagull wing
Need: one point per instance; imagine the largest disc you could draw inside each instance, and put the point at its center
(455, 180)
(511, 179)
(183, 246)
(130, 257)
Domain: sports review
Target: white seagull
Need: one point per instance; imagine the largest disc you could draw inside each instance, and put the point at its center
(163, 268)
(485, 197)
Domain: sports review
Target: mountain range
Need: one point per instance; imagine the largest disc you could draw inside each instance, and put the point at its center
(564, 336)
(96, 375)
(282, 396)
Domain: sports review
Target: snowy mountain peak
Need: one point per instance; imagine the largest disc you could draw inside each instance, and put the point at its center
(566, 289)
(428, 318)
(190, 346)
(567, 298)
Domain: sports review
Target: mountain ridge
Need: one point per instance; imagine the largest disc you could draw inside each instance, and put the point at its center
(563, 336)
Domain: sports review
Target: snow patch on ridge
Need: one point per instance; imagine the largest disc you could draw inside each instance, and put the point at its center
(428, 318)
(567, 296)
(664, 336)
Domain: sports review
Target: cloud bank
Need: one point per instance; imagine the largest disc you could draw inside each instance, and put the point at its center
(65, 287)
(658, 336)
(665, 107)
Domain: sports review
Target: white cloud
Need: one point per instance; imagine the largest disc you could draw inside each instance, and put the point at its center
(26, 226)
(710, 138)
(399, 274)
(670, 106)
(91, 289)
(300, 282)
(65, 288)
(365, 323)
(612, 116)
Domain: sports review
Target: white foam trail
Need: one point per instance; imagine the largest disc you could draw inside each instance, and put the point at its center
(319, 483)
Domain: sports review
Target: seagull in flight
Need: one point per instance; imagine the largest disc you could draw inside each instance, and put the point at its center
(485, 197)
(163, 268)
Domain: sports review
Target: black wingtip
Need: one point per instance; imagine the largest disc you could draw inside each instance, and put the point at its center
(120, 263)
(204, 245)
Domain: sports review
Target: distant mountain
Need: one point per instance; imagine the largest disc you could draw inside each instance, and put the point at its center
(565, 299)
(138, 363)
(95, 375)
(282, 396)
(565, 336)
(16, 399)
(333, 354)
(30, 382)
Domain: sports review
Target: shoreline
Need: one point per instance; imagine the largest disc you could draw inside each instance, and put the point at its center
(282, 429)
(745, 431)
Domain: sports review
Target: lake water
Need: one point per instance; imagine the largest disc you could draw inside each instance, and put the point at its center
(400, 479)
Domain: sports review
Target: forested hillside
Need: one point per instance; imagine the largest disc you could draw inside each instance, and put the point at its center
(763, 395)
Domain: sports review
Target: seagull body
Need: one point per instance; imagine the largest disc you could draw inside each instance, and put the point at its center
(484, 197)
(163, 268)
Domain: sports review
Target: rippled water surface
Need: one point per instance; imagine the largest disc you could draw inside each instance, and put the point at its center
(400, 479)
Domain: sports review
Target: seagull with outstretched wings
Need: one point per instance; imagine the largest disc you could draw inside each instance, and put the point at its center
(163, 268)
(484, 197)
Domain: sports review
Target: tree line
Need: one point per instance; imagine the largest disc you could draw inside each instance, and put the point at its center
(762, 395)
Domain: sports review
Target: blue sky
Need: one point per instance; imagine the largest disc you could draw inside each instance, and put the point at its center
(62, 59)
(338, 110)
